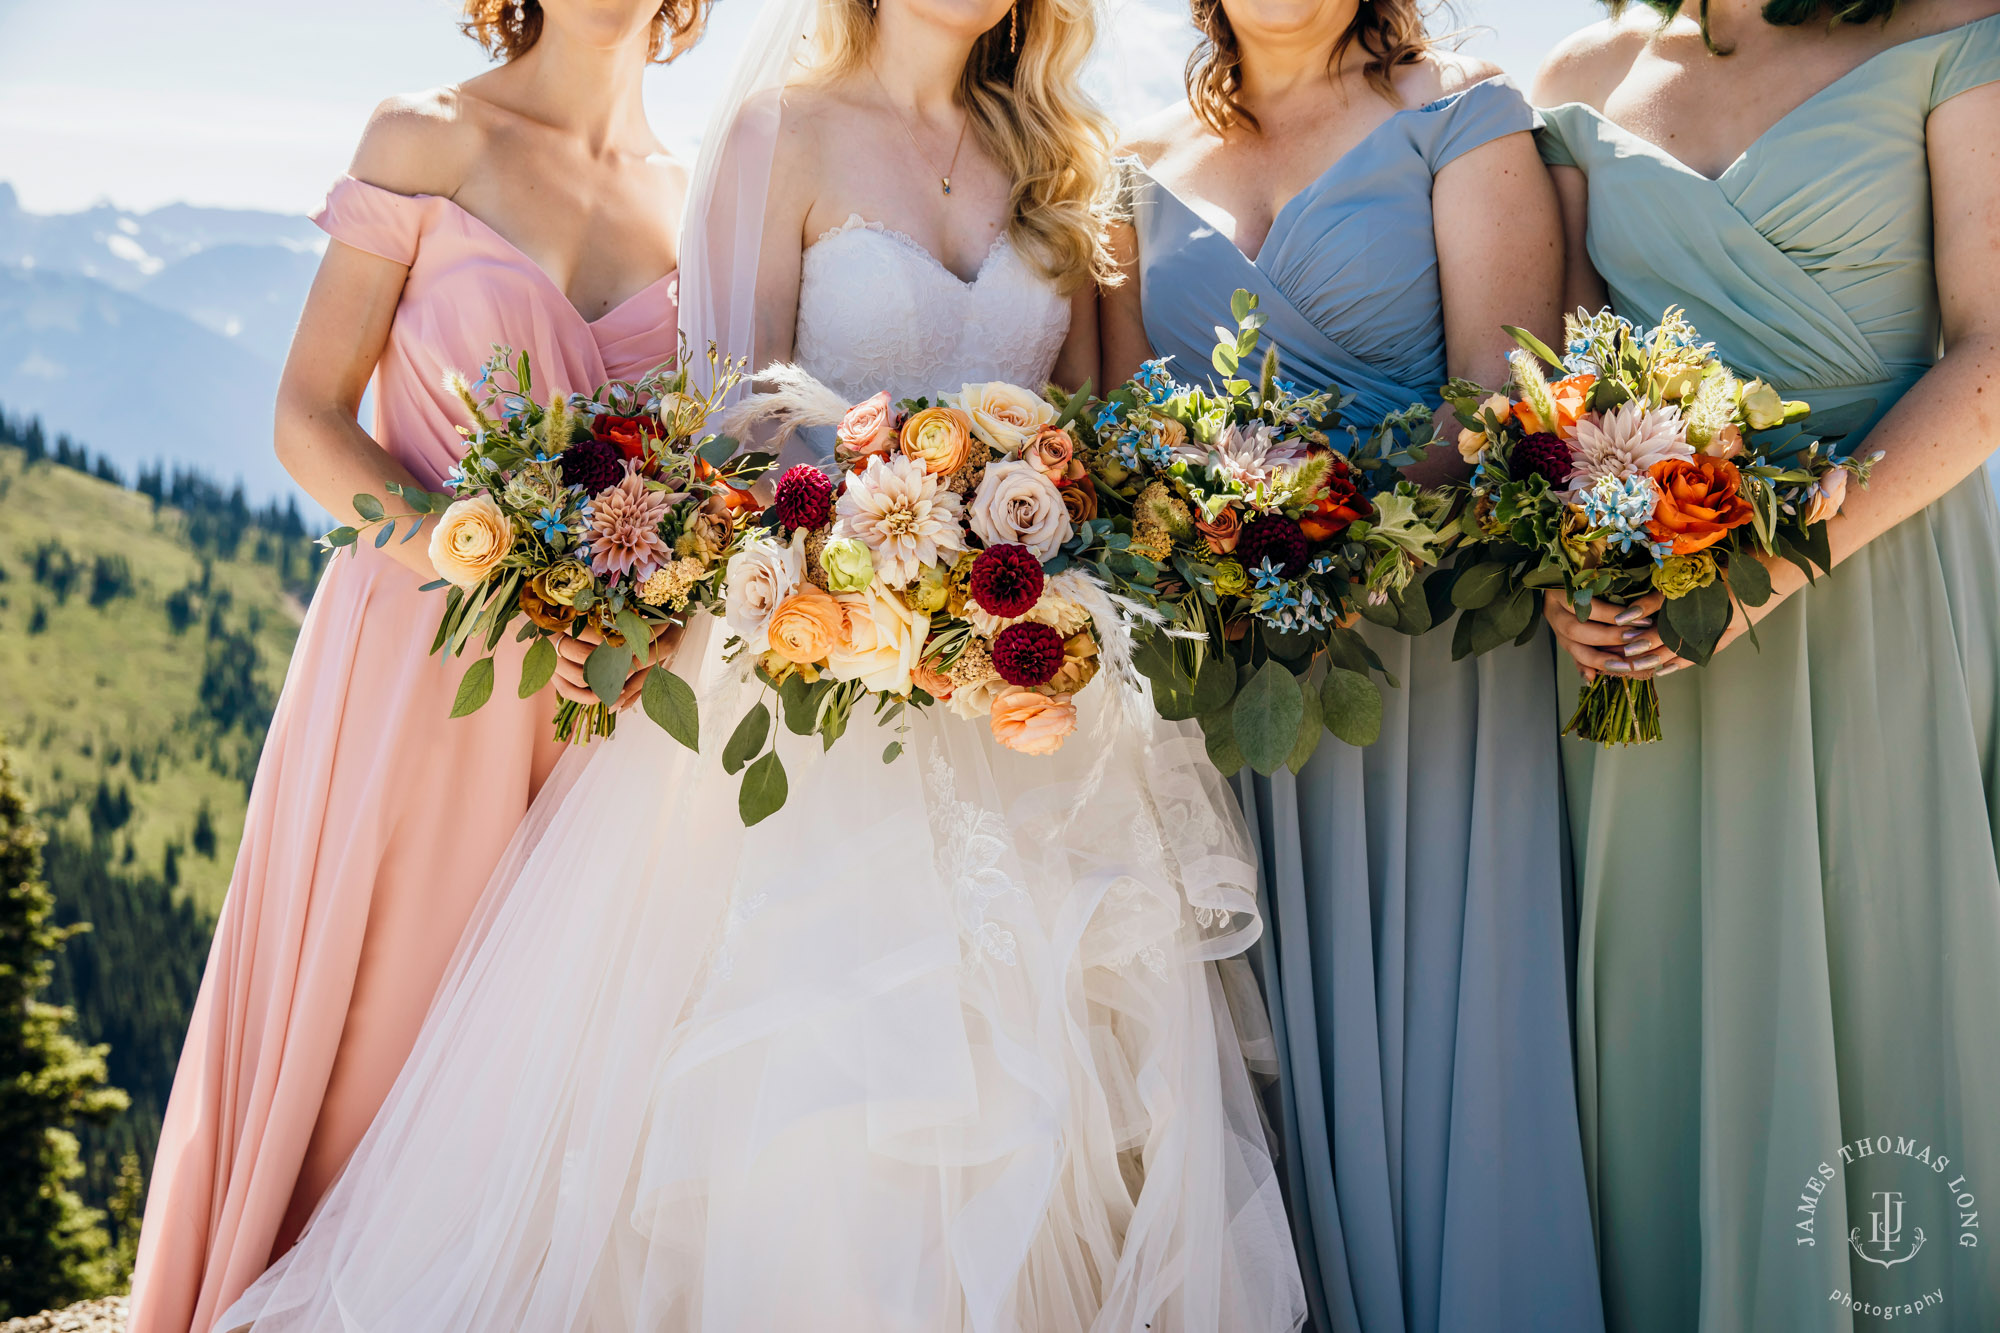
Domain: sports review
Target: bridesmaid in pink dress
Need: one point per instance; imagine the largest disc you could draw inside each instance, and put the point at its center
(375, 819)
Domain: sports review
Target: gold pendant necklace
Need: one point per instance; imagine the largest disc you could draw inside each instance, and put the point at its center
(944, 177)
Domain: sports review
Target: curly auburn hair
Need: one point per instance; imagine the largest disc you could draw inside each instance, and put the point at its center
(508, 28)
(1392, 32)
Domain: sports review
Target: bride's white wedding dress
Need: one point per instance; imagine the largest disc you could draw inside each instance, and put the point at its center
(941, 1046)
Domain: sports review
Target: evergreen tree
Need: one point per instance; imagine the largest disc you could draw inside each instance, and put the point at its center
(53, 1249)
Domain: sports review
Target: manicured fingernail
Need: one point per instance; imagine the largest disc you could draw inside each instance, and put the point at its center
(1672, 667)
(1652, 660)
(1636, 633)
(1619, 668)
(1631, 615)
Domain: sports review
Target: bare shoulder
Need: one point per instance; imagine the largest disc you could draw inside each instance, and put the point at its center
(1157, 135)
(1454, 71)
(1942, 16)
(419, 143)
(1589, 63)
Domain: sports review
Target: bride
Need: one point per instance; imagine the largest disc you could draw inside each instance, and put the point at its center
(946, 1043)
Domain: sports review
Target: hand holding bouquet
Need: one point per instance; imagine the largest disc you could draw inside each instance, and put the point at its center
(1260, 528)
(1649, 467)
(941, 563)
(603, 516)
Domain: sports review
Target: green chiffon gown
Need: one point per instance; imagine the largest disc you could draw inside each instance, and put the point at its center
(1789, 959)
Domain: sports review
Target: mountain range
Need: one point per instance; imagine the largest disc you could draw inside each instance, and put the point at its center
(156, 335)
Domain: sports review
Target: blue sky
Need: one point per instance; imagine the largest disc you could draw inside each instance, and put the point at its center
(256, 103)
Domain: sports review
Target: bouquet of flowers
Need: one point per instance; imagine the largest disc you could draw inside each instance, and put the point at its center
(1650, 466)
(610, 510)
(942, 561)
(1260, 529)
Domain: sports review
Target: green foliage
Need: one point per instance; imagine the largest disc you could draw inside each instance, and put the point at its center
(53, 1249)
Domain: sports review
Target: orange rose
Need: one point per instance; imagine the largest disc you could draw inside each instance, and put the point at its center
(1337, 506)
(807, 626)
(1700, 501)
(932, 682)
(939, 438)
(1570, 396)
(1223, 531)
(1081, 501)
(1030, 723)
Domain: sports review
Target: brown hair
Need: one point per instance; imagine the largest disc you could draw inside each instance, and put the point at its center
(1392, 32)
(508, 28)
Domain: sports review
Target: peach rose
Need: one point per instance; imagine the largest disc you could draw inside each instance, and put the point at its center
(934, 683)
(806, 626)
(1006, 416)
(1700, 500)
(1054, 452)
(867, 431)
(1570, 396)
(1080, 499)
(939, 438)
(1168, 433)
(1728, 442)
(1030, 723)
(1829, 493)
(1223, 531)
(470, 541)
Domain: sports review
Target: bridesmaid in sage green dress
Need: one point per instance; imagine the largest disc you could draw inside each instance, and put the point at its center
(1414, 946)
(1789, 968)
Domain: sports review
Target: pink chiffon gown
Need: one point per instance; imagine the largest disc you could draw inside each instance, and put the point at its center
(376, 819)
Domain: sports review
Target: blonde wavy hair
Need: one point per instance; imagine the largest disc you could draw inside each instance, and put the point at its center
(1391, 32)
(1028, 112)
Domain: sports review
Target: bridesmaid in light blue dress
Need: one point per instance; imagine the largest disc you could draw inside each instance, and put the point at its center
(1789, 973)
(1414, 956)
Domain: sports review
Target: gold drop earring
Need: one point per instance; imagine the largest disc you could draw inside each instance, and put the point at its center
(1014, 29)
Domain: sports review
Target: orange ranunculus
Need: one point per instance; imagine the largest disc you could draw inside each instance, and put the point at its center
(807, 626)
(1081, 501)
(939, 438)
(1570, 396)
(1700, 500)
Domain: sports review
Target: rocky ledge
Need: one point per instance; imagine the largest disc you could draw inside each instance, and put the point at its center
(105, 1316)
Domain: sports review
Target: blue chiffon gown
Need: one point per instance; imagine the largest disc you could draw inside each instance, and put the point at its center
(1414, 955)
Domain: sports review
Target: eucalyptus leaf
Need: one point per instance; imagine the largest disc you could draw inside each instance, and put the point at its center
(799, 704)
(368, 507)
(717, 451)
(537, 667)
(1265, 717)
(893, 752)
(1310, 729)
(384, 533)
(606, 669)
(1215, 686)
(747, 739)
(1218, 737)
(1478, 585)
(340, 537)
(764, 790)
(1749, 580)
(1351, 706)
(670, 702)
(475, 687)
(1692, 625)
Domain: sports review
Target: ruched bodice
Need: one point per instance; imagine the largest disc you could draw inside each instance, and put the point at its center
(1790, 905)
(1413, 954)
(878, 311)
(1808, 260)
(1349, 273)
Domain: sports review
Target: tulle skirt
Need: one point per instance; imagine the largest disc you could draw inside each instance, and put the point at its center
(947, 1044)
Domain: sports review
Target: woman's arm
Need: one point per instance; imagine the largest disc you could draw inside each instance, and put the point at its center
(1081, 360)
(1121, 317)
(1496, 266)
(1582, 288)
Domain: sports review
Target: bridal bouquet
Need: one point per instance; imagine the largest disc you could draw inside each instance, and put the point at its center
(943, 560)
(1648, 467)
(1260, 529)
(610, 511)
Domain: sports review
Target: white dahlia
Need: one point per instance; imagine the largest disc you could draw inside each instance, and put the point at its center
(1624, 443)
(1252, 456)
(905, 517)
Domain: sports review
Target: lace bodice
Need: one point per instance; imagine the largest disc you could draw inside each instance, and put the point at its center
(878, 311)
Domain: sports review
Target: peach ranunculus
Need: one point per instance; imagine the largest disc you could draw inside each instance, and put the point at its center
(1004, 415)
(470, 541)
(1054, 452)
(867, 431)
(1223, 531)
(939, 438)
(1031, 723)
(1571, 397)
(1080, 499)
(881, 640)
(1700, 500)
(1472, 443)
(806, 626)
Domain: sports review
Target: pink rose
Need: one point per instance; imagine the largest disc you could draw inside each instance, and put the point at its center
(867, 431)
(1054, 453)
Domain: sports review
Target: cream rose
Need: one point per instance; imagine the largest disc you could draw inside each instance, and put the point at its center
(757, 581)
(882, 640)
(1006, 416)
(1017, 504)
(470, 541)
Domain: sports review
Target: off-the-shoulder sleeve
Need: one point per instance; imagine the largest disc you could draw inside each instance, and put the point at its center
(1971, 60)
(1553, 138)
(1488, 110)
(371, 218)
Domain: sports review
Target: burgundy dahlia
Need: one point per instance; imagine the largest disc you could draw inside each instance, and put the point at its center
(1007, 581)
(592, 464)
(1541, 455)
(1275, 538)
(805, 497)
(1028, 654)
